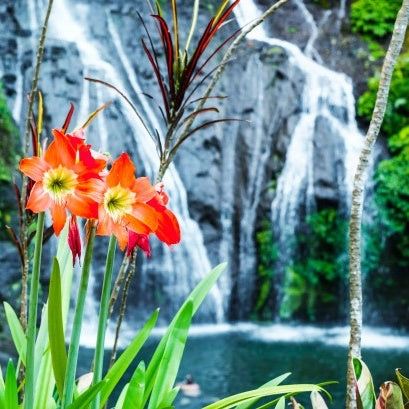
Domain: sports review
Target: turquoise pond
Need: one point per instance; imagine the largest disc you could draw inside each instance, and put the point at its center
(226, 359)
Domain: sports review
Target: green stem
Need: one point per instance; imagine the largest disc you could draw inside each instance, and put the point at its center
(77, 324)
(103, 317)
(32, 315)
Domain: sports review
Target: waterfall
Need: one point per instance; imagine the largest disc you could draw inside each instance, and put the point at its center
(182, 266)
(328, 95)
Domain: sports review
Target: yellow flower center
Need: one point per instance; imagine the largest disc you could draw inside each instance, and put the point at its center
(118, 201)
(59, 182)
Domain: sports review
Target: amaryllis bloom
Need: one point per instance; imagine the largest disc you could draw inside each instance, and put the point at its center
(126, 205)
(66, 177)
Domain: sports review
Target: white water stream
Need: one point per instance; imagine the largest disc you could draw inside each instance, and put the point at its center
(326, 95)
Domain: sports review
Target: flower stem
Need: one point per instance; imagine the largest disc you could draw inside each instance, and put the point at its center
(103, 317)
(77, 324)
(32, 317)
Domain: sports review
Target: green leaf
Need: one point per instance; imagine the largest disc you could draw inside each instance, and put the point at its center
(390, 396)
(273, 382)
(234, 400)
(196, 297)
(11, 395)
(366, 391)
(86, 398)
(56, 328)
(172, 356)
(17, 333)
(136, 388)
(122, 363)
(281, 403)
(404, 383)
(2, 390)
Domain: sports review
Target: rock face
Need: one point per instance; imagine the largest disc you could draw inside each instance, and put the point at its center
(226, 170)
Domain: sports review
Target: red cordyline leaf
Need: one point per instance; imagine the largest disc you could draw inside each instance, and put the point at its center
(68, 118)
(181, 75)
(168, 49)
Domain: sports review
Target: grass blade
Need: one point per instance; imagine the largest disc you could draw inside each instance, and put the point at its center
(56, 328)
(122, 363)
(171, 358)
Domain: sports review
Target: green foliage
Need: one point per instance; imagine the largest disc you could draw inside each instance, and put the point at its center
(9, 141)
(323, 3)
(267, 255)
(374, 18)
(9, 156)
(314, 279)
(397, 109)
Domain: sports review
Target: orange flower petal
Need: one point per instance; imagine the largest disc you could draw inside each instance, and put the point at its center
(39, 200)
(93, 188)
(82, 206)
(122, 172)
(143, 189)
(60, 151)
(121, 233)
(105, 223)
(137, 226)
(146, 214)
(34, 167)
(168, 230)
(58, 216)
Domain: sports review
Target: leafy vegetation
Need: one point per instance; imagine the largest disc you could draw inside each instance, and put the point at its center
(373, 17)
(267, 255)
(9, 156)
(315, 278)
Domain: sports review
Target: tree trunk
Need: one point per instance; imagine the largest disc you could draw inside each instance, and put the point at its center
(355, 238)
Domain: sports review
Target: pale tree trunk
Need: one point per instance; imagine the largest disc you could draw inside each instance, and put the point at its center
(355, 283)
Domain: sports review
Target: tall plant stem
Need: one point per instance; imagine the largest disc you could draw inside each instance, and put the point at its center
(24, 227)
(77, 323)
(103, 317)
(355, 236)
(32, 319)
(123, 307)
(215, 78)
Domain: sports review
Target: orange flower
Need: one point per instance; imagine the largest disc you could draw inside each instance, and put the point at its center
(131, 204)
(66, 177)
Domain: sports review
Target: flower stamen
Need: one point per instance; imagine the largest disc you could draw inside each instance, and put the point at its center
(59, 183)
(118, 201)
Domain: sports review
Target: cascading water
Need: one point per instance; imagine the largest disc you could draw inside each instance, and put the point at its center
(182, 266)
(328, 97)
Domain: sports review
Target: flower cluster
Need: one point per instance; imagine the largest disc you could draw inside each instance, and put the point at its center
(70, 176)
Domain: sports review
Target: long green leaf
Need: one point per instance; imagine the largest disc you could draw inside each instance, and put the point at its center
(234, 400)
(122, 363)
(11, 395)
(172, 356)
(56, 328)
(2, 390)
(364, 383)
(136, 388)
(196, 297)
(86, 398)
(43, 363)
(274, 382)
(17, 333)
(404, 383)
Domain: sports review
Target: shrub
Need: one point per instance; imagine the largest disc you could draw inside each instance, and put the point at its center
(374, 18)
